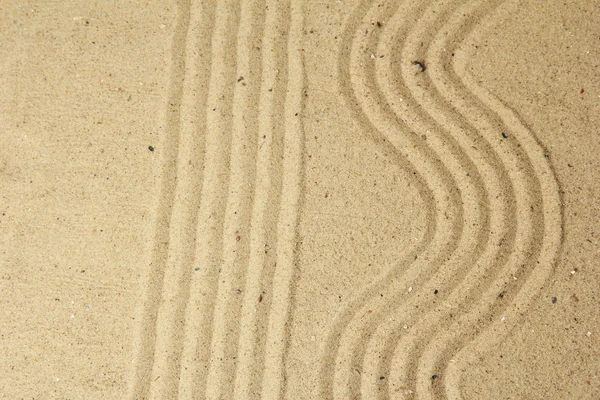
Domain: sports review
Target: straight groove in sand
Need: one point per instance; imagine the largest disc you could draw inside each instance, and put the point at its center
(235, 206)
(152, 281)
(265, 205)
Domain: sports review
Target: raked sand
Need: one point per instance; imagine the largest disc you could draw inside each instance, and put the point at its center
(300, 199)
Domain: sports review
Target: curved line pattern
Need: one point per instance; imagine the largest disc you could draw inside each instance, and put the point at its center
(435, 206)
(391, 283)
(519, 185)
(500, 240)
(472, 149)
(471, 249)
(550, 206)
(530, 227)
(466, 289)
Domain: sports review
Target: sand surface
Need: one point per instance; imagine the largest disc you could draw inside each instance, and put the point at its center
(300, 199)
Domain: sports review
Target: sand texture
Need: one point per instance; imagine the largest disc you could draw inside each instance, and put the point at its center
(300, 199)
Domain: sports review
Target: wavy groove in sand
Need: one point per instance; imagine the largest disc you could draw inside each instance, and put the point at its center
(230, 245)
(466, 287)
(533, 278)
(510, 189)
(438, 245)
(536, 230)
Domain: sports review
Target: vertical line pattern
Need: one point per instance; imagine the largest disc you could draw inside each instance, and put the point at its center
(228, 207)
(287, 228)
(152, 282)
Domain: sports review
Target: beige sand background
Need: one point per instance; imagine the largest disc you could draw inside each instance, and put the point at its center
(299, 199)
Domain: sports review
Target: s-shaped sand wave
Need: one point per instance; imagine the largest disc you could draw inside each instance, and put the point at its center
(530, 236)
(390, 284)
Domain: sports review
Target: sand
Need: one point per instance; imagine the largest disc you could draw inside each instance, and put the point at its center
(299, 200)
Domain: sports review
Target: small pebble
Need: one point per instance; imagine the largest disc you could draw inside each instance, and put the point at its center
(588, 334)
(434, 376)
(420, 65)
(382, 377)
(410, 289)
(435, 291)
(151, 148)
(554, 299)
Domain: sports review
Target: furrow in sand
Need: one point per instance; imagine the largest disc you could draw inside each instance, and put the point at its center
(481, 276)
(470, 288)
(284, 275)
(548, 238)
(176, 135)
(263, 238)
(502, 206)
(353, 326)
(479, 240)
(434, 201)
(190, 278)
(238, 227)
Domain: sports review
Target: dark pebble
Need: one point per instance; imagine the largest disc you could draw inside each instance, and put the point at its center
(382, 377)
(554, 299)
(435, 291)
(434, 376)
(420, 65)
(151, 148)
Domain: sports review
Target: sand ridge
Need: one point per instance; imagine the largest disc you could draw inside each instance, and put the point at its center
(232, 232)
(470, 269)
(339, 206)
